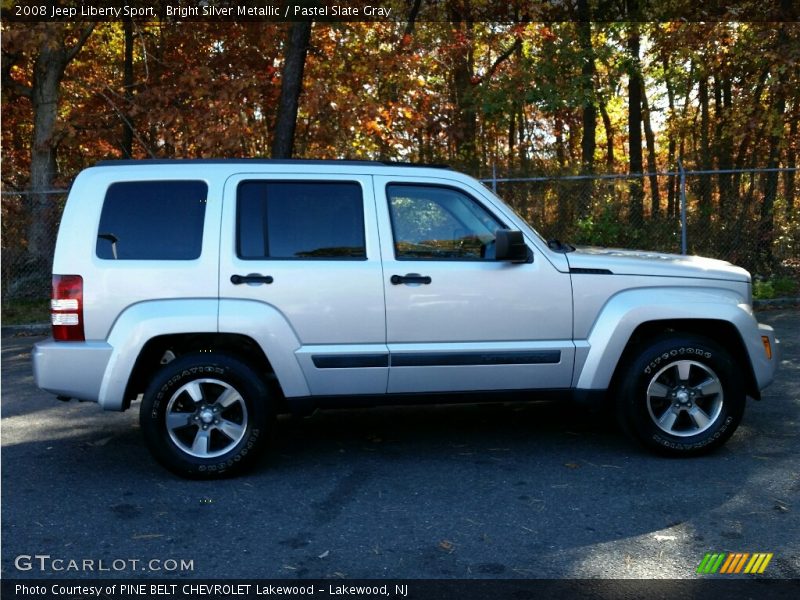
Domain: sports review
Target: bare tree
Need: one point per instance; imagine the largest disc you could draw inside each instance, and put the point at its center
(297, 42)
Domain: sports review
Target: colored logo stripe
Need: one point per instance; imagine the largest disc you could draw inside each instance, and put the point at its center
(758, 563)
(734, 562)
(710, 562)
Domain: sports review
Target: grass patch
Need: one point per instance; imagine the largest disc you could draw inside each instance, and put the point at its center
(24, 312)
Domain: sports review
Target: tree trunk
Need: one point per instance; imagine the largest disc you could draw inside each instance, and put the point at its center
(635, 128)
(512, 131)
(521, 150)
(652, 165)
(563, 197)
(766, 229)
(672, 182)
(684, 113)
(791, 162)
(297, 42)
(48, 71)
(741, 151)
(516, 129)
(465, 120)
(609, 138)
(588, 139)
(561, 155)
(705, 156)
(727, 193)
(127, 85)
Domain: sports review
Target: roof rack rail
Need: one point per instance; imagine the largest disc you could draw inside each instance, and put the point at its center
(268, 161)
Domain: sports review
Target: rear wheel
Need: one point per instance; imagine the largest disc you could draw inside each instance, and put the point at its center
(205, 415)
(682, 395)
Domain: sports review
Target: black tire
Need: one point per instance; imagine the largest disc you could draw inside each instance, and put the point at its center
(226, 409)
(681, 395)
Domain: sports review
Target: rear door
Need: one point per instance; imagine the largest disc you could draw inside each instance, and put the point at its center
(308, 247)
(456, 319)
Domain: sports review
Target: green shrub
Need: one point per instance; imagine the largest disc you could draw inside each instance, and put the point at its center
(777, 286)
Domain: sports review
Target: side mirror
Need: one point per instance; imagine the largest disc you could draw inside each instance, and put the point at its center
(510, 246)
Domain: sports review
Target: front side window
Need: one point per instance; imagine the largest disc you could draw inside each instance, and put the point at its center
(439, 223)
(300, 220)
(152, 220)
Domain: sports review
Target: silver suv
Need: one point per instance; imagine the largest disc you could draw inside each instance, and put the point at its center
(224, 292)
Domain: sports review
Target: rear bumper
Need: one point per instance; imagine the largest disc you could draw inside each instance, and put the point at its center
(72, 369)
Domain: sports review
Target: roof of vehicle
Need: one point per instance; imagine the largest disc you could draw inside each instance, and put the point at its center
(265, 161)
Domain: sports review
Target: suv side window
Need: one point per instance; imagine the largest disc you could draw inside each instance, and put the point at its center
(300, 220)
(152, 220)
(439, 223)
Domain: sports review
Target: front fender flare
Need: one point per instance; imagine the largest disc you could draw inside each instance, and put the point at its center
(598, 357)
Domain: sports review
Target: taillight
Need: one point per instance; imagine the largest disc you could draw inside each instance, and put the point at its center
(66, 308)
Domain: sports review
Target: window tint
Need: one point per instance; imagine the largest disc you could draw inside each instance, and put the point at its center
(300, 220)
(441, 223)
(152, 220)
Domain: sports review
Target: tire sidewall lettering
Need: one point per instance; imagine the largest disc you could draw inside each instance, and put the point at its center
(697, 445)
(677, 353)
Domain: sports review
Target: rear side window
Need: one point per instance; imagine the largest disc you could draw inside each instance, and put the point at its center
(300, 220)
(152, 220)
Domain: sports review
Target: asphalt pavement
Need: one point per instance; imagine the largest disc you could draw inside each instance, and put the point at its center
(482, 491)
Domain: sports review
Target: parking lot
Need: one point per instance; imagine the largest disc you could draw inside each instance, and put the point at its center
(483, 491)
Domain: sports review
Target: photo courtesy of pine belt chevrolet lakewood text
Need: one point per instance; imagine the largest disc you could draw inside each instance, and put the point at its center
(226, 292)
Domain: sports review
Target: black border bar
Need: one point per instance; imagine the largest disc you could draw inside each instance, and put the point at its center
(509, 11)
(731, 588)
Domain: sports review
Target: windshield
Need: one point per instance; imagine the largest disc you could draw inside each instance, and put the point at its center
(531, 228)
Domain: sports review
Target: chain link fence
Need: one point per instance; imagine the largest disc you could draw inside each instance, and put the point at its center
(749, 217)
(27, 253)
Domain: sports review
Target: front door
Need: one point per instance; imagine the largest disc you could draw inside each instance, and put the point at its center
(457, 319)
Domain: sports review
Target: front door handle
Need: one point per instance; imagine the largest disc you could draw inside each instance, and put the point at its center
(410, 278)
(252, 278)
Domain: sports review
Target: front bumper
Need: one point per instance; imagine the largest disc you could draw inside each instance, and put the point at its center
(764, 368)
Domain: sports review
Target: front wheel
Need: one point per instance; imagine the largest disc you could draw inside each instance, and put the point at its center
(205, 415)
(681, 395)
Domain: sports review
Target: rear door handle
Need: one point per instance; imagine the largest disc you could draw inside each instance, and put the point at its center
(410, 278)
(252, 278)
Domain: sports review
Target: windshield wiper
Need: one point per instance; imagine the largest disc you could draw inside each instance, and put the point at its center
(559, 246)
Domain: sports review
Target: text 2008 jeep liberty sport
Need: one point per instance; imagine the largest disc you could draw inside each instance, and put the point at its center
(227, 291)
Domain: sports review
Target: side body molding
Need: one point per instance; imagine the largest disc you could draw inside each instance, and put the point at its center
(597, 358)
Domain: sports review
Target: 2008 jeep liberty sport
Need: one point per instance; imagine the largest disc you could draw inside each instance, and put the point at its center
(228, 291)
